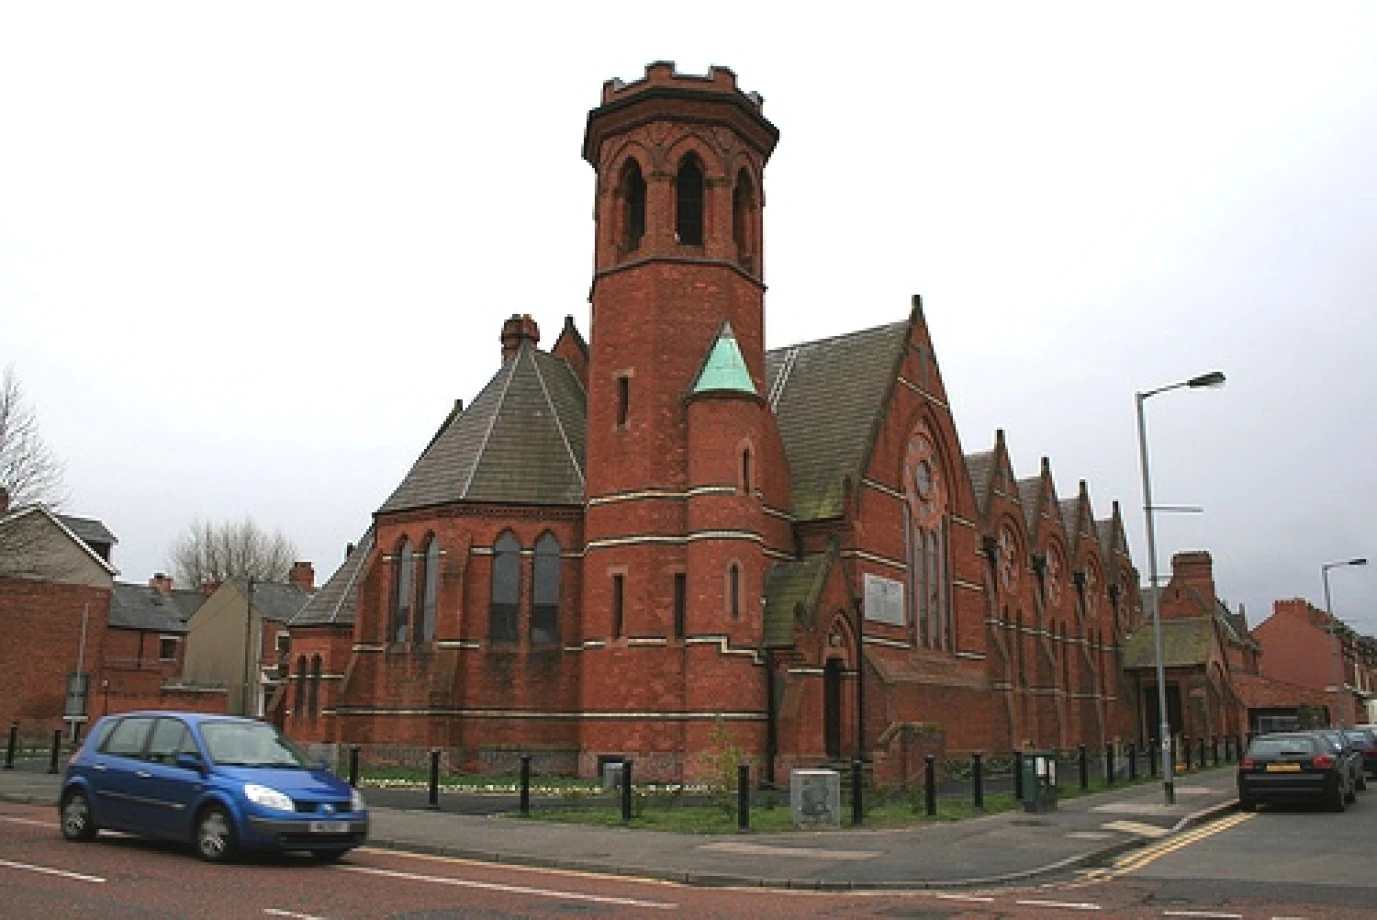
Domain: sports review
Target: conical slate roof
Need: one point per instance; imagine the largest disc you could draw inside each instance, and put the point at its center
(520, 442)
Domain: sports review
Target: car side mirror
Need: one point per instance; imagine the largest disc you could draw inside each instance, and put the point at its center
(191, 762)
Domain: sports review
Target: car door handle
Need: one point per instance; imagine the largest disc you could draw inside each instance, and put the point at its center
(142, 774)
(100, 766)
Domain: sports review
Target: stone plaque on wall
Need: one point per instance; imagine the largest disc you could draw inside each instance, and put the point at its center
(884, 600)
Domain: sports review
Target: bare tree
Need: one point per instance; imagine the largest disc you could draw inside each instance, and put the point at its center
(29, 470)
(211, 553)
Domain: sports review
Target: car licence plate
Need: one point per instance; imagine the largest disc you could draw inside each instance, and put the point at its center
(1283, 768)
(329, 827)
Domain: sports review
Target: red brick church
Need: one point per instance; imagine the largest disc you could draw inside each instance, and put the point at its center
(642, 542)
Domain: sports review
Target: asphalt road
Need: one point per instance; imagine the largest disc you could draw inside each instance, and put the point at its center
(1295, 863)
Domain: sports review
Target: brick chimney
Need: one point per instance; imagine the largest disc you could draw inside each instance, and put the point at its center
(517, 330)
(303, 575)
(162, 582)
(1194, 569)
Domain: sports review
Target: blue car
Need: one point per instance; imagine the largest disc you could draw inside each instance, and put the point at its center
(223, 784)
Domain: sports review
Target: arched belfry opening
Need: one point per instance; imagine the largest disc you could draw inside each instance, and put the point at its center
(632, 189)
(688, 200)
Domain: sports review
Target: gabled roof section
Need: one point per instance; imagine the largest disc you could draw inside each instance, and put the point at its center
(981, 467)
(828, 397)
(521, 441)
(144, 607)
(792, 590)
(273, 601)
(37, 511)
(1030, 498)
(89, 530)
(724, 371)
(1185, 643)
(338, 599)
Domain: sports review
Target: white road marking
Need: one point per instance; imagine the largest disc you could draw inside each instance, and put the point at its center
(512, 889)
(757, 849)
(1137, 827)
(44, 869)
(978, 899)
(273, 911)
(1089, 835)
(30, 821)
(1061, 905)
(1202, 914)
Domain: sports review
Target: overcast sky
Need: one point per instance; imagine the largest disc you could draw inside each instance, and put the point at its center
(251, 253)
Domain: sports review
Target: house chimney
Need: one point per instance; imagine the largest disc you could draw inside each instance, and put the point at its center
(303, 575)
(1194, 569)
(517, 330)
(161, 582)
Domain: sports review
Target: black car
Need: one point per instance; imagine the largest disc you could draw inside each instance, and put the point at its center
(1351, 755)
(1364, 738)
(1294, 766)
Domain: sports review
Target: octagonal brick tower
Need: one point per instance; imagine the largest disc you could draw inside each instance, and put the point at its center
(687, 488)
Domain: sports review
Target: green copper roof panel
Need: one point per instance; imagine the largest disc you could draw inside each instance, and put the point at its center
(725, 370)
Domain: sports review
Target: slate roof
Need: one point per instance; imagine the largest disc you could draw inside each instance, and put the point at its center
(827, 397)
(1185, 643)
(274, 601)
(792, 590)
(1104, 529)
(1029, 490)
(88, 530)
(143, 607)
(981, 468)
(338, 599)
(520, 442)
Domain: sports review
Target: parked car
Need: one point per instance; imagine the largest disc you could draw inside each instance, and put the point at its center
(1364, 738)
(222, 784)
(1351, 755)
(1293, 766)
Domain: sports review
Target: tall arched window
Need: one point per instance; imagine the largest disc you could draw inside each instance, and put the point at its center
(430, 588)
(506, 588)
(929, 576)
(633, 205)
(688, 224)
(743, 218)
(746, 484)
(545, 610)
(734, 591)
(313, 698)
(402, 563)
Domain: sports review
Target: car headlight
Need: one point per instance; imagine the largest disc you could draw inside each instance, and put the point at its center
(267, 797)
(356, 800)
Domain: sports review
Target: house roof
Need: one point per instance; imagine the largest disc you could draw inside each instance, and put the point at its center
(1185, 643)
(827, 397)
(1029, 491)
(981, 468)
(273, 601)
(15, 515)
(144, 607)
(338, 599)
(725, 368)
(88, 529)
(521, 441)
(792, 590)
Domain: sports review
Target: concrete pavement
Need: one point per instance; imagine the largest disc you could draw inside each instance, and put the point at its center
(995, 849)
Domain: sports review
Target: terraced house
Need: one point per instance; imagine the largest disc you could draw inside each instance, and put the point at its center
(666, 537)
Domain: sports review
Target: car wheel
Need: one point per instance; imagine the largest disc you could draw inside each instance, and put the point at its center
(328, 856)
(1247, 804)
(77, 823)
(215, 838)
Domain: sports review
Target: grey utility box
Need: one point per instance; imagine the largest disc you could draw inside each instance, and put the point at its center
(612, 774)
(815, 798)
(1039, 781)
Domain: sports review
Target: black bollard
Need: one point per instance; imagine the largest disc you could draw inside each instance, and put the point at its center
(1201, 762)
(1214, 750)
(1109, 764)
(354, 765)
(434, 803)
(1018, 776)
(930, 783)
(626, 791)
(1154, 751)
(977, 782)
(1084, 768)
(525, 784)
(1132, 763)
(14, 743)
(857, 781)
(743, 798)
(57, 748)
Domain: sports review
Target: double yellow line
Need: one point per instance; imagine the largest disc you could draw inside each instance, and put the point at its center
(1132, 862)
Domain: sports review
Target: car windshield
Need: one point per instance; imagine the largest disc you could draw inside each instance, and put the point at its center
(251, 744)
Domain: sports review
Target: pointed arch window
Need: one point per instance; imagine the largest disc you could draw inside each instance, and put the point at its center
(743, 220)
(926, 538)
(688, 225)
(403, 562)
(545, 610)
(430, 588)
(313, 693)
(506, 588)
(633, 205)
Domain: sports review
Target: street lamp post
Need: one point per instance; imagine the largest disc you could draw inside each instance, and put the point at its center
(1212, 379)
(1338, 641)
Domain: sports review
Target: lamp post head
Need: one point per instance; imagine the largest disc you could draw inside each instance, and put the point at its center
(1212, 379)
